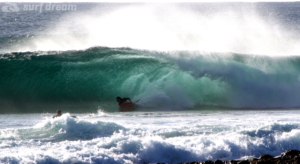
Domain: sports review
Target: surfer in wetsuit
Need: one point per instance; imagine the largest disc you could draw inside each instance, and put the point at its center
(122, 100)
(58, 114)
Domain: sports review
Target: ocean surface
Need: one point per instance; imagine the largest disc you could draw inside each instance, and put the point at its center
(210, 81)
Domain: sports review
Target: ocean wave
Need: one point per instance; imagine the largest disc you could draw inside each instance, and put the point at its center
(153, 79)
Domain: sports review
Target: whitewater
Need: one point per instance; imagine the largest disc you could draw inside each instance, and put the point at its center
(211, 81)
(147, 137)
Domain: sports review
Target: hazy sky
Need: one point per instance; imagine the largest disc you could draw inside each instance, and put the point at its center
(150, 1)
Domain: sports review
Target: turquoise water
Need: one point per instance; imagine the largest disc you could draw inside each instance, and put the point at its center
(210, 81)
(92, 78)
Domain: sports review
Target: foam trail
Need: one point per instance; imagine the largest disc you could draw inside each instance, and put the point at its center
(173, 98)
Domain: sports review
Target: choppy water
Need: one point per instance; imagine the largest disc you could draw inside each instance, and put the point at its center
(147, 137)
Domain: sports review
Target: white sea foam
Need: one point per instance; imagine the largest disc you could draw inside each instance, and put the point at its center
(138, 137)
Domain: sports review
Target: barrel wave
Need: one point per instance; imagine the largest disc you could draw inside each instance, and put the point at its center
(87, 80)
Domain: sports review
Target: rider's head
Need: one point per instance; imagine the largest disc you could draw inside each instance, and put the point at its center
(118, 99)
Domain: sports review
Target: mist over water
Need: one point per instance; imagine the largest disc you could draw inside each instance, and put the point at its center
(247, 28)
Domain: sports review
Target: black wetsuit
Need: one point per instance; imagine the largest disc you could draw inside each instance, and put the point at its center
(123, 100)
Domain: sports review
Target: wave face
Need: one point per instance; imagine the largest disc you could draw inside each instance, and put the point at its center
(92, 78)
